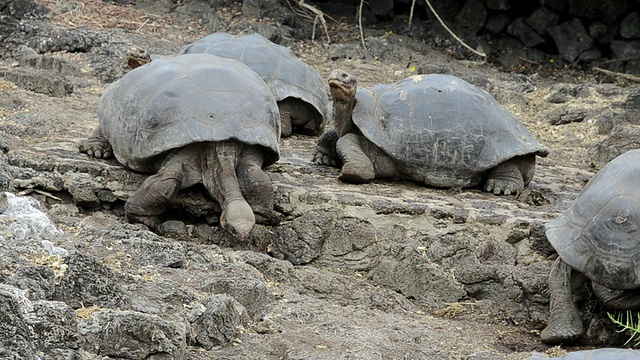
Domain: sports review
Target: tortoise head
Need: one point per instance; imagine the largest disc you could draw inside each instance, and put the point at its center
(343, 86)
(238, 219)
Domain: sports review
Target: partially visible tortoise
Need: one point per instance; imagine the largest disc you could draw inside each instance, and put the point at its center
(598, 237)
(192, 119)
(298, 88)
(596, 354)
(437, 130)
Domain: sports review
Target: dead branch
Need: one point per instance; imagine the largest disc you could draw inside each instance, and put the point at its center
(481, 54)
(413, 5)
(364, 45)
(319, 15)
(617, 74)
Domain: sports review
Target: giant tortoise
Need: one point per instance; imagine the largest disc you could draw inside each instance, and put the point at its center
(597, 236)
(298, 88)
(438, 130)
(192, 119)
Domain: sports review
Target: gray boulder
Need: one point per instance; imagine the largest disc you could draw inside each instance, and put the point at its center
(132, 335)
(605, 11)
(473, 15)
(524, 33)
(630, 26)
(571, 39)
(541, 18)
(621, 49)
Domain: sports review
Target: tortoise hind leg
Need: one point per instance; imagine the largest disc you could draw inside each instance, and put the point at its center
(255, 184)
(97, 145)
(511, 176)
(564, 323)
(617, 299)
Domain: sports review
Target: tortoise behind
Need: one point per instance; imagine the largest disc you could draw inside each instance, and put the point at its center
(298, 88)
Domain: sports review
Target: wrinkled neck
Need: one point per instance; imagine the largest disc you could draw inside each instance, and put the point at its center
(342, 111)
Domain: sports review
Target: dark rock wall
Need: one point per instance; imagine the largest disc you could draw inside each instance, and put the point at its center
(587, 32)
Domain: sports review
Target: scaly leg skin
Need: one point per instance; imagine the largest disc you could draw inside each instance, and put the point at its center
(152, 198)
(220, 179)
(564, 325)
(511, 176)
(326, 149)
(357, 168)
(285, 123)
(255, 184)
(97, 146)
(299, 117)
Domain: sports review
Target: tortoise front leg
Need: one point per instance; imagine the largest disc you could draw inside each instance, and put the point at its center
(564, 323)
(152, 198)
(356, 166)
(97, 145)
(299, 117)
(285, 122)
(511, 176)
(326, 149)
(362, 160)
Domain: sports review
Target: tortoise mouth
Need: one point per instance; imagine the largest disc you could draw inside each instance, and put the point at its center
(336, 83)
(341, 90)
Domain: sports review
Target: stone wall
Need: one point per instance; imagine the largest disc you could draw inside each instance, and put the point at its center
(588, 32)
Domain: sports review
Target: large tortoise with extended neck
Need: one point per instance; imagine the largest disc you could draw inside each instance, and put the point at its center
(438, 130)
(192, 119)
(598, 237)
(298, 87)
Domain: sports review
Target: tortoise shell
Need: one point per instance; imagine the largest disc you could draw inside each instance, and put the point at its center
(281, 69)
(599, 235)
(172, 102)
(441, 129)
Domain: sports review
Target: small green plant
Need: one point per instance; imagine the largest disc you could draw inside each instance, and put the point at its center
(627, 322)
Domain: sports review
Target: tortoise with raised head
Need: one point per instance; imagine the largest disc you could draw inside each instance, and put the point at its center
(437, 130)
(598, 237)
(192, 119)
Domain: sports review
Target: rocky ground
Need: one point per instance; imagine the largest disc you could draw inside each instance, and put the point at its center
(387, 270)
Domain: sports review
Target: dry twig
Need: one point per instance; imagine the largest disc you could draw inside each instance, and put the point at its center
(413, 5)
(617, 74)
(481, 54)
(319, 15)
(364, 45)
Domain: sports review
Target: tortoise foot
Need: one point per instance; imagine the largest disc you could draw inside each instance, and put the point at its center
(563, 330)
(98, 148)
(501, 186)
(324, 159)
(357, 174)
(152, 222)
